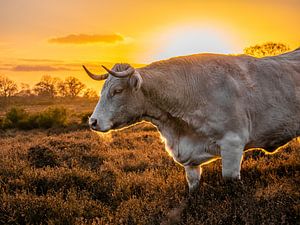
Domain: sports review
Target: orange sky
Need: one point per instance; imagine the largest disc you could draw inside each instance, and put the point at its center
(56, 37)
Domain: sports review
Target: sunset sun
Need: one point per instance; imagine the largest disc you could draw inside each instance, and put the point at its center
(186, 40)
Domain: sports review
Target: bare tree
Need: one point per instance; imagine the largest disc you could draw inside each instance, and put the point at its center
(25, 90)
(46, 87)
(90, 93)
(7, 87)
(62, 89)
(71, 87)
(267, 49)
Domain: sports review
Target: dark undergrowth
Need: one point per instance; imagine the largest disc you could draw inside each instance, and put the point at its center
(51, 118)
(126, 177)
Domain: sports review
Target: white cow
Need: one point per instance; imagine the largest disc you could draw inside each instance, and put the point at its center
(206, 106)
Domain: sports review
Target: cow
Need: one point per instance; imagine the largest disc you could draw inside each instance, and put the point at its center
(206, 106)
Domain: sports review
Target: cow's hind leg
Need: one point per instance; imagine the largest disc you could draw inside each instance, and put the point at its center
(232, 153)
(193, 174)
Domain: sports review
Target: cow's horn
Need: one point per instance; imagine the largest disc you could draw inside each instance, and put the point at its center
(122, 74)
(94, 76)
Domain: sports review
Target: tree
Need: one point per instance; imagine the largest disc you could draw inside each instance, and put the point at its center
(62, 89)
(46, 87)
(90, 93)
(7, 87)
(71, 87)
(267, 49)
(25, 90)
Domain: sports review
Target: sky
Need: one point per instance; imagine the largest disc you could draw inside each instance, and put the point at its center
(55, 37)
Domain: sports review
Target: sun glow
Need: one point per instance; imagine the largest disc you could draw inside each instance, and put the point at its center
(188, 40)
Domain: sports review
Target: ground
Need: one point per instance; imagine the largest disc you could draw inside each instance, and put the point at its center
(76, 176)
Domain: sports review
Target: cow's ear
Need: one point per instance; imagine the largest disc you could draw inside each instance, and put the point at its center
(136, 81)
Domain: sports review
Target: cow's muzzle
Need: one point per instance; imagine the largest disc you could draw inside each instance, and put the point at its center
(95, 125)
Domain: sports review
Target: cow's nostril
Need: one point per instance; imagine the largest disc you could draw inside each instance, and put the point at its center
(93, 123)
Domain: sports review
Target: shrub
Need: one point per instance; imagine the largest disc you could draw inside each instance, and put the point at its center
(14, 117)
(16, 114)
(33, 121)
(85, 118)
(19, 118)
(52, 117)
(6, 124)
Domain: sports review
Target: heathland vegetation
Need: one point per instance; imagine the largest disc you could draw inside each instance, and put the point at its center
(79, 177)
(54, 170)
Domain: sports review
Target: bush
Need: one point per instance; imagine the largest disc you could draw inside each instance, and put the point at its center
(19, 118)
(85, 118)
(14, 118)
(16, 114)
(52, 117)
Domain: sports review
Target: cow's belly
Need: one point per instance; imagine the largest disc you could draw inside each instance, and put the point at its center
(190, 150)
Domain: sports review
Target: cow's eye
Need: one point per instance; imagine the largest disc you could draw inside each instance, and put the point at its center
(117, 91)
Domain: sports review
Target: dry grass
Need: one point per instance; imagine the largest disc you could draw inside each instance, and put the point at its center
(126, 177)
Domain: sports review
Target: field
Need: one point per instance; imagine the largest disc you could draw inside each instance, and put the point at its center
(76, 176)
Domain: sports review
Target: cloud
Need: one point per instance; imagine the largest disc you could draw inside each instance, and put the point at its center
(40, 60)
(5, 66)
(29, 68)
(87, 38)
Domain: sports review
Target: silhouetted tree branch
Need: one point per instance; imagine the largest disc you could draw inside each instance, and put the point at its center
(7, 87)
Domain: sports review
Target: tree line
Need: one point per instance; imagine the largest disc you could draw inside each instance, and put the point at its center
(48, 86)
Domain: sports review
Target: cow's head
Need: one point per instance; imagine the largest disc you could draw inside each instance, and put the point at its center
(121, 102)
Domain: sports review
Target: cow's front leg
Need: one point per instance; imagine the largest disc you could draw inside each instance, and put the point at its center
(193, 174)
(232, 148)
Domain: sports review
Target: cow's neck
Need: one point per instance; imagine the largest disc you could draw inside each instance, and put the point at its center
(163, 108)
(164, 121)
(165, 93)
(166, 126)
